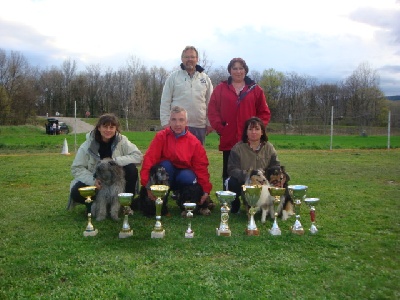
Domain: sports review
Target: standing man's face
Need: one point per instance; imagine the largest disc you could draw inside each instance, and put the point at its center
(190, 60)
(178, 122)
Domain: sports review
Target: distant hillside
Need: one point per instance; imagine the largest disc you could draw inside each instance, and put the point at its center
(393, 98)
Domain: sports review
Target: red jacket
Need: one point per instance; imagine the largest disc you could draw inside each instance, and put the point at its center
(227, 114)
(184, 152)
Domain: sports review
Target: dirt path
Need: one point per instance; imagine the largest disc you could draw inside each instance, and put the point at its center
(81, 126)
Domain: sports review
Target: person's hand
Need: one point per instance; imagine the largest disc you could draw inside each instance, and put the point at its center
(209, 129)
(97, 184)
(203, 198)
(150, 195)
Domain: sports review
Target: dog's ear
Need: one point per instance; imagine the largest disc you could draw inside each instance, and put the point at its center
(273, 171)
(112, 163)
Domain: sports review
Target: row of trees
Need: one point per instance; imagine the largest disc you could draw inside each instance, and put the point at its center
(134, 92)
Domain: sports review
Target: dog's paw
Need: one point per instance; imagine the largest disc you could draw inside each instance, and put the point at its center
(204, 211)
(100, 218)
(115, 218)
(285, 215)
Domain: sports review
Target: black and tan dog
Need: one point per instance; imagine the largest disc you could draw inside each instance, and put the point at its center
(193, 194)
(278, 177)
(158, 175)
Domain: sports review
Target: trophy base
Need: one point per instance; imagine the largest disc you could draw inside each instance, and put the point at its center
(275, 231)
(298, 231)
(125, 234)
(90, 232)
(189, 235)
(158, 234)
(251, 232)
(223, 232)
(313, 229)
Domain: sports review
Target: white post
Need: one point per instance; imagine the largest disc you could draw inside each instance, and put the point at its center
(388, 143)
(331, 128)
(75, 127)
(126, 119)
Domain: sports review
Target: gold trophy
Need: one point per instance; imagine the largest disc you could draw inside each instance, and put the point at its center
(159, 191)
(225, 198)
(87, 192)
(125, 200)
(189, 207)
(311, 202)
(252, 194)
(276, 192)
(298, 193)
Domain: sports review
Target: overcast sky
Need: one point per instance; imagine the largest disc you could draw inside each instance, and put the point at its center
(324, 39)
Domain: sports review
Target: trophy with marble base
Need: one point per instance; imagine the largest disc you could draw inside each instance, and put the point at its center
(225, 198)
(252, 194)
(298, 193)
(276, 192)
(158, 190)
(312, 202)
(125, 200)
(88, 192)
(189, 207)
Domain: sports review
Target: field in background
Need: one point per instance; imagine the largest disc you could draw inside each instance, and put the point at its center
(32, 138)
(43, 254)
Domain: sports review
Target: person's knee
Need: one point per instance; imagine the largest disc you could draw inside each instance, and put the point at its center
(75, 194)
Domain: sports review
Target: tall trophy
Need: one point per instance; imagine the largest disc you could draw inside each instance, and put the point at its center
(252, 194)
(189, 207)
(225, 198)
(125, 200)
(159, 191)
(276, 192)
(88, 192)
(311, 202)
(298, 193)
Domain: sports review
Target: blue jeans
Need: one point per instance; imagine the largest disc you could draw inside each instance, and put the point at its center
(178, 178)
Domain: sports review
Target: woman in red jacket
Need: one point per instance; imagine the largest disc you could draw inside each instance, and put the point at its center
(232, 103)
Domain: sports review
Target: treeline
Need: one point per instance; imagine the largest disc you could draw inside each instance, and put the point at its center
(134, 92)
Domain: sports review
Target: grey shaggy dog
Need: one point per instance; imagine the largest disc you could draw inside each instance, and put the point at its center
(112, 180)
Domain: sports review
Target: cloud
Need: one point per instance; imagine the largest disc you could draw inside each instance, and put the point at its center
(311, 37)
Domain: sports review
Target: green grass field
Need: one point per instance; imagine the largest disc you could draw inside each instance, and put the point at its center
(355, 255)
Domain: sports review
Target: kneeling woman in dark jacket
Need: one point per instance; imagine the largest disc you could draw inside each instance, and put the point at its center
(253, 152)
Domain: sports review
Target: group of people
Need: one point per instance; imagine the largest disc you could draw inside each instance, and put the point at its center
(190, 109)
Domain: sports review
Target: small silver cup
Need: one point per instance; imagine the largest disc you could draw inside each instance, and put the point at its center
(312, 202)
(189, 207)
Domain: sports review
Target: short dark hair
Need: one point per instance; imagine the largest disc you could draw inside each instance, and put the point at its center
(106, 119)
(239, 60)
(252, 122)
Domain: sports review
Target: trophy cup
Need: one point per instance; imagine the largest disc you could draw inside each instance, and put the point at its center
(125, 200)
(159, 191)
(225, 198)
(276, 192)
(87, 192)
(297, 192)
(252, 194)
(311, 202)
(189, 207)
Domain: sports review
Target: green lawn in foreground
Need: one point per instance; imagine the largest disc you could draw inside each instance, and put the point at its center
(43, 254)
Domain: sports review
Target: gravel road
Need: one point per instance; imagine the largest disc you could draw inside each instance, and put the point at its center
(81, 126)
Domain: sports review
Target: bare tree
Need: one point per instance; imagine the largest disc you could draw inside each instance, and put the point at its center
(218, 75)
